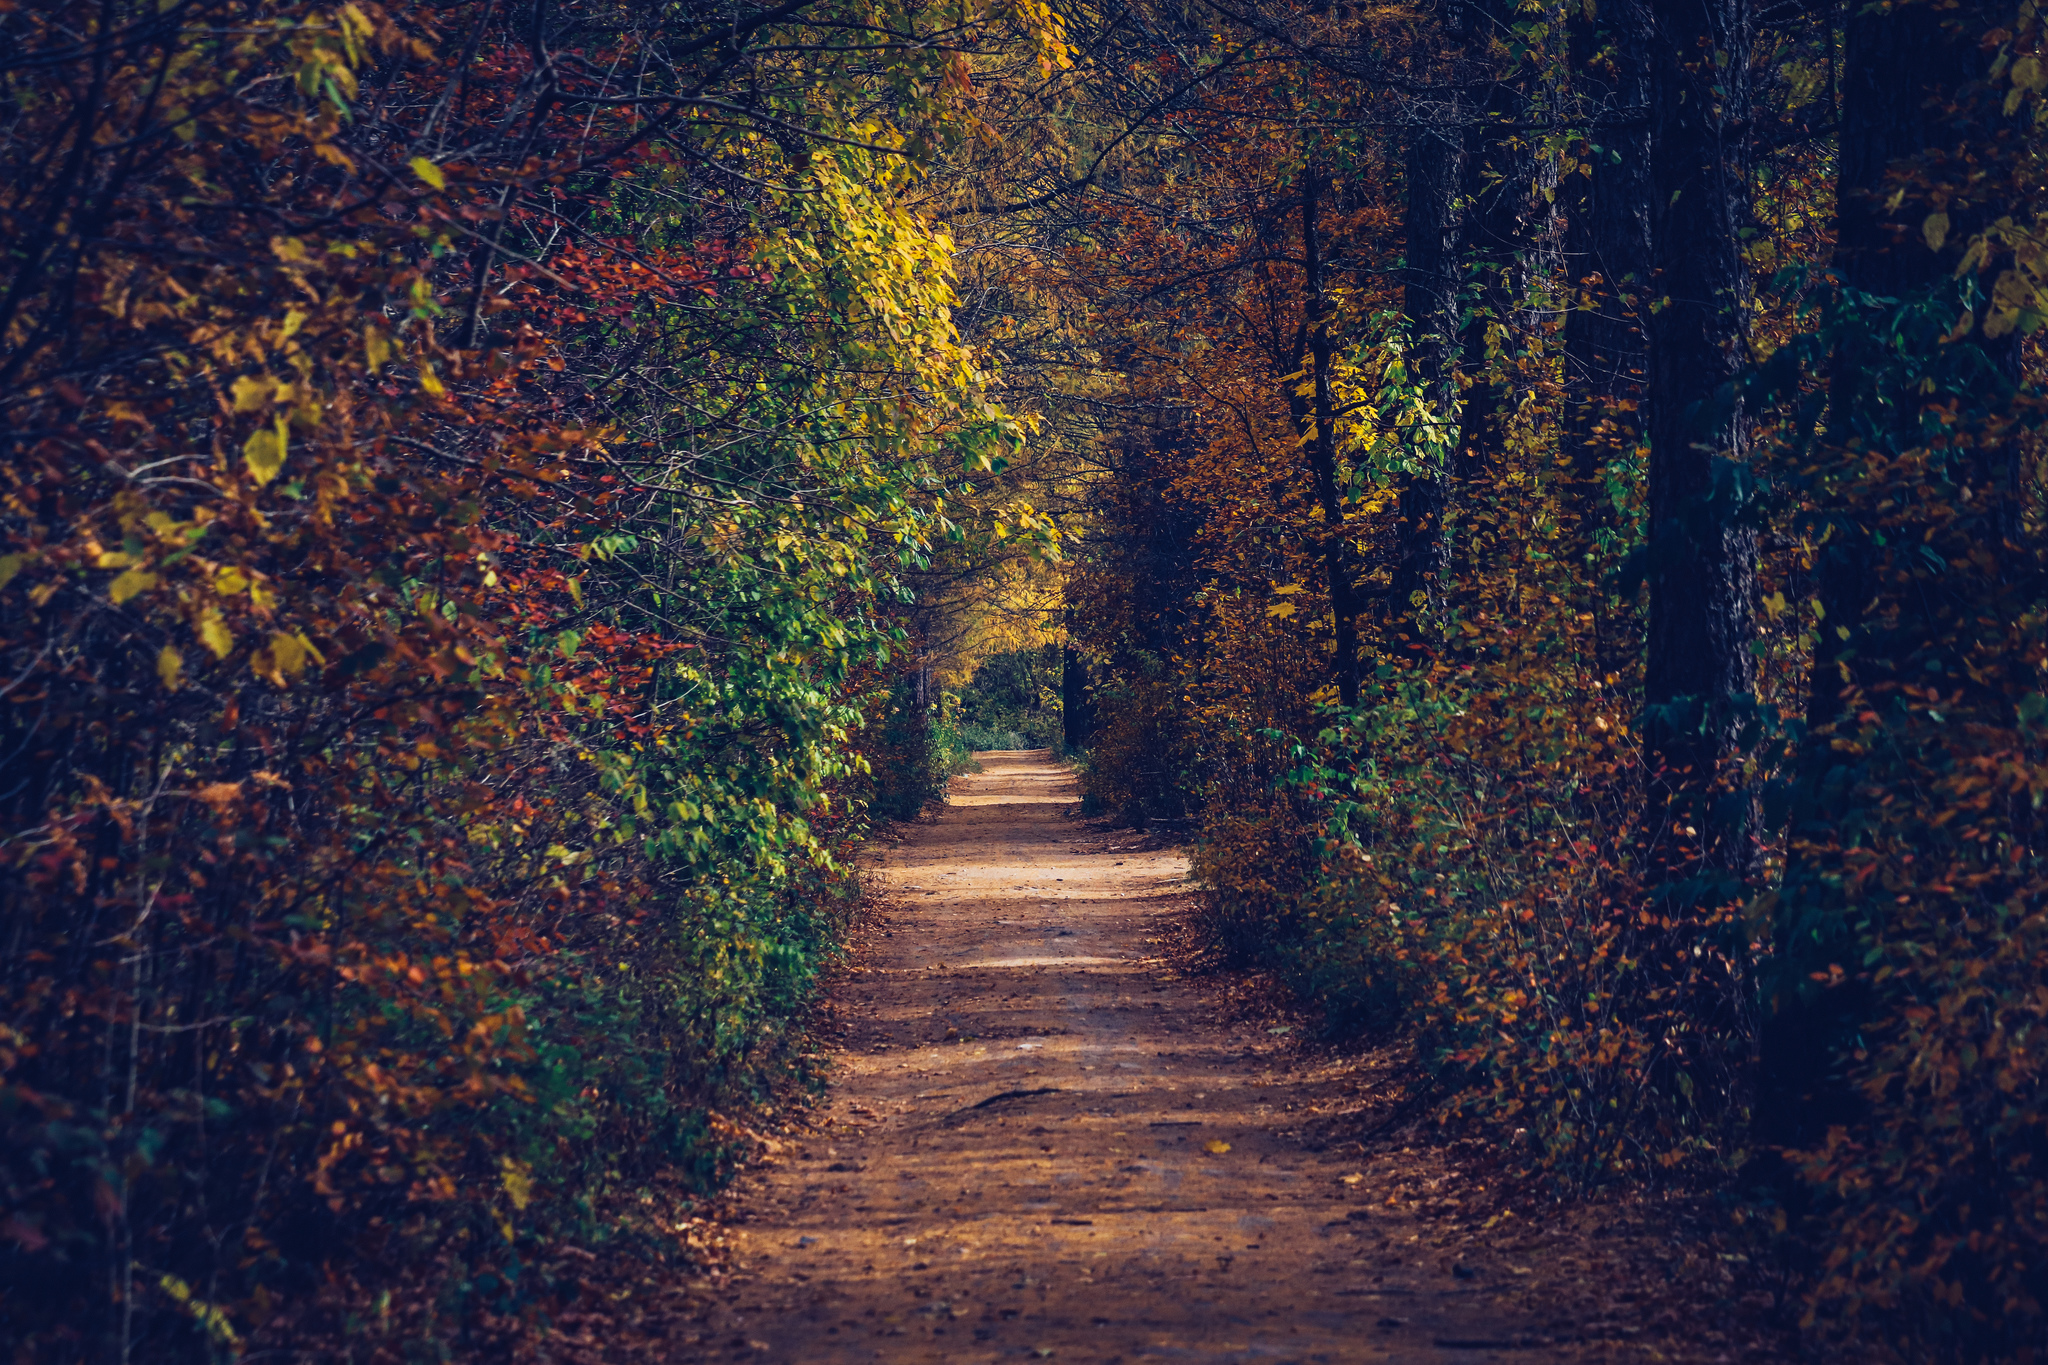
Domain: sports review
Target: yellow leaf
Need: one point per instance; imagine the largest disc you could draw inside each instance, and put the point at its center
(518, 1183)
(230, 581)
(1215, 1146)
(429, 172)
(265, 453)
(214, 634)
(170, 666)
(1281, 609)
(10, 565)
(289, 652)
(1352, 1179)
(1935, 230)
(430, 381)
(377, 347)
(252, 392)
(129, 584)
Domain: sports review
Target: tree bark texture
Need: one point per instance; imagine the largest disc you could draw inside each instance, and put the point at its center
(1321, 420)
(1699, 677)
(1607, 238)
(1435, 173)
(1901, 75)
(1504, 221)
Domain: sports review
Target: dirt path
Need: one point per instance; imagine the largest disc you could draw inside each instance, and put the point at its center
(1043, 1146)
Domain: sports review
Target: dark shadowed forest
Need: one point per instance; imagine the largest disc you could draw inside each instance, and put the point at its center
(504, 503)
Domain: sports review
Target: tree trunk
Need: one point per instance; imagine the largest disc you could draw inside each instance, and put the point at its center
(1502, 224)
(1321, 420)
(1700, 677)
(1607, 240)
(1901, 72)
(1430, 286)
(1077, 711)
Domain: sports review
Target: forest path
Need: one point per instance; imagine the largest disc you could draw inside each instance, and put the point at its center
(1052, 1181)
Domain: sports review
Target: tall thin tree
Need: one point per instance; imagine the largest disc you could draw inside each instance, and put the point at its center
(1435, 172)
(1700, 674)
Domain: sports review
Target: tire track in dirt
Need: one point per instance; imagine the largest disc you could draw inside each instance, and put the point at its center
(1042, 1144)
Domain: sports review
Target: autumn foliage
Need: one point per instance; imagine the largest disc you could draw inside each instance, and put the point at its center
(1772, 931)
(457, 462)
(497, 497)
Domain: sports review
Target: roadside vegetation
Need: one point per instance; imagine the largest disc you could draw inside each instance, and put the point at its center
(499, 501)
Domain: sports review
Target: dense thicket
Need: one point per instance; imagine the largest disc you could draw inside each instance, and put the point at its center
(461, 461)
(1574, 536)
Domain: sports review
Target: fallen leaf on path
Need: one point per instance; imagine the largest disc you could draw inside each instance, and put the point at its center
(1352, 1179)
(1216, 1146)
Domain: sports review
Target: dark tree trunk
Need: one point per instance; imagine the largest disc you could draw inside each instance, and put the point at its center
(1077, 710)
(1504, 218)
(1606, 279)
(1430, 285)
(1901, 74)
(1699, 677)
(1320, 419)
(1607, 239)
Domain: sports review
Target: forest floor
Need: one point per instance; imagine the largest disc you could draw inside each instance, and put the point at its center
(1046, 1138)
